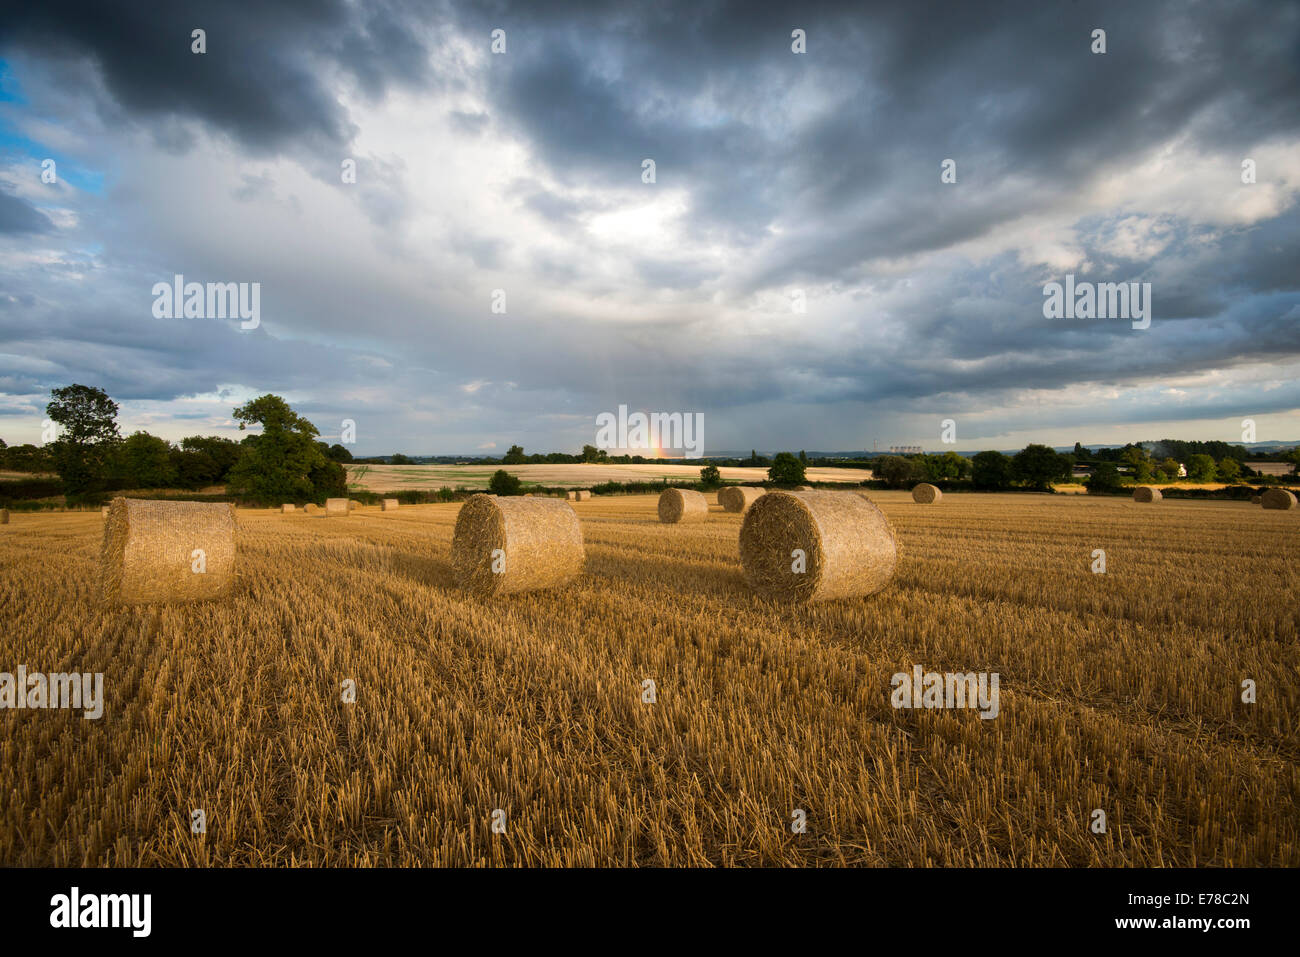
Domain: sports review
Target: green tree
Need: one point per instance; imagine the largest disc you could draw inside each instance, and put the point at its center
(1201, 468)
(88, 418)
(1104, 478)
(991, 470)
(339, 453)
(397, 458)
(503, 483)
(142, 460)
(1080, 453)
(1230, 470)
(1038, 466)
(278, 465)
(786, 470)
(515, 456)
(1168, 469)
(895, 471)
(710, 476)
(803, 458)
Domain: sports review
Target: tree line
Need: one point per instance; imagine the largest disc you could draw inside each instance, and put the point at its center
(284, 462)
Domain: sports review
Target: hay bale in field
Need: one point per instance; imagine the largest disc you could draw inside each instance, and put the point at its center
(682, 505)
(1278, 498)
(287, 509)
(167, 551)
(514, 544)
(4, 516)
(737, 498)
(926, 494)
(815, 546)
(335, 507)
(1256, 500)
(312, 509)
(584, 495)
(571, 496)
(390, 505)
(1146, 493)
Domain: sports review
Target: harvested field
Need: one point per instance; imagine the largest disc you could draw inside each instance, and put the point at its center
(1119, 691)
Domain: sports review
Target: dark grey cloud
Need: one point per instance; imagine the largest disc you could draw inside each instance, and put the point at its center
(19, 216)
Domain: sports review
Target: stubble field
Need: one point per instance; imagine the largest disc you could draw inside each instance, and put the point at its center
(1118, 691)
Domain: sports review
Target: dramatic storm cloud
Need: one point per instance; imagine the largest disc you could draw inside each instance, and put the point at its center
(798, 271)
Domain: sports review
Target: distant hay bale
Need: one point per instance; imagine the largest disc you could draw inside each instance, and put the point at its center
(682, 505)
(815, 546)
(390, 505)
(287, 508)
(335, 507)
(584, 495)
(926, 494)
(4, 516)
(312, 509)
(1146, 493)
(737, 498)
(167, 551)
(515, 544)
(1256, 500)
(1278, 498)
(571, 496)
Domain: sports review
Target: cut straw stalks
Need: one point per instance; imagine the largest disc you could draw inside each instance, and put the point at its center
(817, 546)
(167, 551)
(504, 545)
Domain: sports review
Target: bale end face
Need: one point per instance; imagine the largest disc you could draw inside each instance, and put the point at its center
(390, 505)
(584, 495)
(506, 545)
(287, 509)
(571, 496)
(926, 494)
(737, 498)
(1147, 494)
(1278, 498)
(682, 505)
(336, 507)
(816, 546)
(157, 551)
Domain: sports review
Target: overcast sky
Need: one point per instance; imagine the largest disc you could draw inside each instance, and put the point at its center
(776, 173)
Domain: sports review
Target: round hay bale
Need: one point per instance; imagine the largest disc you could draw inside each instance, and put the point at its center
(571, 496)
(4, 516)
(1146, 493)
(507, 545)
(737, 498)
(815, 546)
(287, 509)
(584, 495)
(682, 505)
(926, 494)
(390, 505)
(1256, 500)
(167, 551)
(1278, 498)
(312, 509)
(335, 507)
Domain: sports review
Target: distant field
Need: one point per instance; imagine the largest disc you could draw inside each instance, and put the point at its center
(393, 478)
(1120, 692)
